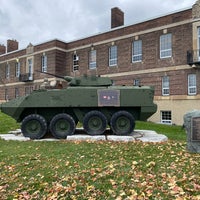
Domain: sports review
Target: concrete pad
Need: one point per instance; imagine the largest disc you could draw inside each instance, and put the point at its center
(46, 139)
(86, 137)
(137, 135)
(14, 137)
(151, 136)
(16, 132)
(120, 138)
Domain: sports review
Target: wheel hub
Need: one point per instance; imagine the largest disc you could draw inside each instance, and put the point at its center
(95, 123)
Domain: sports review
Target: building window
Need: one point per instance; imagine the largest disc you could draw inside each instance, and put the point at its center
(113, 56)
(166, 117)
(137, 51)
(192, 87)
(166, 46)
(6, 95)
(44, 63)
(30, 69)
(75, 63)
(16, 92)
(92, 59)
(165, 85)
(136, 82)
(17, 69)
(7, 71)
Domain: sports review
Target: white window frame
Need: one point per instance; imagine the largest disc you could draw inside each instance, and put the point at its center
(44, 63)
(17, 69)
(166, 117)
(113, 56)
(30, 68)
(137, 51)
(16, 92)
(7, 71)
(92, 59)
(165, 86)
(166, 45)
(75, 62)
(192, 84)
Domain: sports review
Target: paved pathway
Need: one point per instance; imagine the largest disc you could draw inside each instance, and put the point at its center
(137, 135)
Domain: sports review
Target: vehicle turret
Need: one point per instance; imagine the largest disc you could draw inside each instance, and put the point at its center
(85, 80)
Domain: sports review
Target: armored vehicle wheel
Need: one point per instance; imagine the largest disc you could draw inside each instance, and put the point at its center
(122, 123)
(62, 125)
(34, 126)
(94, 123)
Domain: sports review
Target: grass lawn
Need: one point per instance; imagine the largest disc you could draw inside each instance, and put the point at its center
(99, 170)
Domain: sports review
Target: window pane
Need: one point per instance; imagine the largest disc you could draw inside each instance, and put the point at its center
(165, 85)
(17, 69)
(113, 56)
(137, 51)
(7, 71)
(92, 59)
(166, 46)
(192, 88)
(75, 62)
(166, 117)
(44, 63)
(136, 82)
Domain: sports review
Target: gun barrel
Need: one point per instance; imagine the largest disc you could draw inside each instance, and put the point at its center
(67, 78)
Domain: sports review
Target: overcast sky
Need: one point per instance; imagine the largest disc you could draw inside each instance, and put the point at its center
(37, 21)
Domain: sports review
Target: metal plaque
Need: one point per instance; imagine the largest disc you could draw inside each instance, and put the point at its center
(108, 97)
(195, 129)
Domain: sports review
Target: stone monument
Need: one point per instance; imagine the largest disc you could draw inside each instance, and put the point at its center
(192, 126)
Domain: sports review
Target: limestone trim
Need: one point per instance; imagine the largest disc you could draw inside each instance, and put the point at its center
(146, 71)
(33, 54)
(176, 97)
(196, 10)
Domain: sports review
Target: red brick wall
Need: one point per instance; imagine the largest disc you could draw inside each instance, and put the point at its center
(117, 17)
(181, 39)
(2, 49)
(158, 22)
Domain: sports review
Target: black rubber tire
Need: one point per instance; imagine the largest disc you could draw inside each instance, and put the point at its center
(62, 125)
(122, 123)
(94, 123)
(34, 126)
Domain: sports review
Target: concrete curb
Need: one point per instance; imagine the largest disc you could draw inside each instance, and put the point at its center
(137, 135)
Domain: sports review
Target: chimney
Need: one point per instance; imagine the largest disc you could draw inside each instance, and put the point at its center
(117, 17)
(2, 49)
(12, 45)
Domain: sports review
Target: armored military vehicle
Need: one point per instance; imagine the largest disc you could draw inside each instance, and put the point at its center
(92, 100)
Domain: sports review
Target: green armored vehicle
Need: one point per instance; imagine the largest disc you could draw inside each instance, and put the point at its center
(94, 101)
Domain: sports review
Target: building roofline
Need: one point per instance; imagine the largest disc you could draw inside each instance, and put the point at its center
(103, 32)
(128, 25)
(153, 18)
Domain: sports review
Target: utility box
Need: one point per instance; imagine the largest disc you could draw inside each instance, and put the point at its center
(192, 126)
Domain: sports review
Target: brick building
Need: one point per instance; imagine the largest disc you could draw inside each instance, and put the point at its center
(162, 52)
